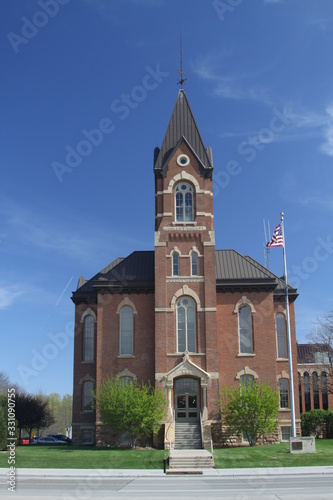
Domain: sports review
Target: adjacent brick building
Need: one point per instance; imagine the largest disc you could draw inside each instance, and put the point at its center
(186, 317)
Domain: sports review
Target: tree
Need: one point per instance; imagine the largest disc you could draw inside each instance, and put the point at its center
(133, 408)
(32, 412)
(250, 410)
(61, 408)
(3, 422)
(322, 338)
(4, 383)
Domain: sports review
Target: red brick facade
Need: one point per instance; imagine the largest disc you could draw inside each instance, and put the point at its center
(184, 224)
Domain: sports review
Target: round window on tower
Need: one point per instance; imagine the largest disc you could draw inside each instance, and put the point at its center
(183, 160)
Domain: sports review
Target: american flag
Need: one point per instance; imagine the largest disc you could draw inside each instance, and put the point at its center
(277, 238)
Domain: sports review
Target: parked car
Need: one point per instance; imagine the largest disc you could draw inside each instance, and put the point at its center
(50, 440)
(62, 437)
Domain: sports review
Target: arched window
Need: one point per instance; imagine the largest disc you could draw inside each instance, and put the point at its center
(87, 396)
(307, 396)
(281, 339)
(88, 338)
(186, 325)
(175, 264)
(126, 331)
(184, 202)
(125, 380)
(194, 264)
(324, 390)
(247, 381)
(315, 390)
(284, 392)
(300, 393)
(245, 330)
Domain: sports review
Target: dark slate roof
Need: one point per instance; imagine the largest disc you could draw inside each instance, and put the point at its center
(136, 272)
(233, 270)
(182, 125)
(280, 281)
(313, 354)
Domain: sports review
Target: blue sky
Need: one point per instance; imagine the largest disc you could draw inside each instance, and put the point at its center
(259, 81)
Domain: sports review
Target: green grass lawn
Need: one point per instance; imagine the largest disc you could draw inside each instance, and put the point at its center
(75, 457)
(276, 455)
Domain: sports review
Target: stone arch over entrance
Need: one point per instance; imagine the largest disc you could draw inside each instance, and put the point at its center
(187, 370)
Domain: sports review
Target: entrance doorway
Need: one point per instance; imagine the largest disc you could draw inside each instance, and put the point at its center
(187, 402)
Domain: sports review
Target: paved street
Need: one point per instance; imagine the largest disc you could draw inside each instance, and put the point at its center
(233, 484)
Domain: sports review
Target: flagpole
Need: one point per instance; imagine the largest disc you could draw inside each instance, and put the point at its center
(291, 377)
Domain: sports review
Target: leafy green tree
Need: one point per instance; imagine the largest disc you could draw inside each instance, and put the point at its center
(32, 412)
(317, 422)
(3, 422)
(61, 408)
(322, 338)
(250, 410)
(133, 408)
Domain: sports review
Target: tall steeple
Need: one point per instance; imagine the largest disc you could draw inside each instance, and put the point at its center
(182, 126)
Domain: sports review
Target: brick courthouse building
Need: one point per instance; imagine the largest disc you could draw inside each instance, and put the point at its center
(186, 317)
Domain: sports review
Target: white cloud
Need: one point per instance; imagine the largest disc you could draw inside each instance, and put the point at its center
(9, 295)
(238, 86)
(327, 146)
(292, 189)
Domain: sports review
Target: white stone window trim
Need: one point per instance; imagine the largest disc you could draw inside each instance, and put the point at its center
(126, 302)
(185, 290)
(183, 160)
(88, 312)
(247, 371)
(244, 301)
(127, 373)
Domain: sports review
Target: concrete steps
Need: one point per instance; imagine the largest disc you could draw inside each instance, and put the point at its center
(187, 436)
(190, 459)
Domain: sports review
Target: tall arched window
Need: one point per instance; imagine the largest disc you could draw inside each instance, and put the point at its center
(307, 396)
(126, 331)
(300, 393)
(88, 339)
(184, 202)
(175, 264)
(281, 338)
(324, 390)
(194, 264)
(315, 390)
(284, 392)
(245, 330)
(186, 325)
(87, 396)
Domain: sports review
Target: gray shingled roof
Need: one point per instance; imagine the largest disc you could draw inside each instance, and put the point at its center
(182, 125)
(313, 353)
(233, 270)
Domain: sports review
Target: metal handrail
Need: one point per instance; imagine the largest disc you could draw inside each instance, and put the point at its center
(201, 429)
(174, 429)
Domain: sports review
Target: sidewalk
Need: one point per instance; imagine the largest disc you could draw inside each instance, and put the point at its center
(325, 470)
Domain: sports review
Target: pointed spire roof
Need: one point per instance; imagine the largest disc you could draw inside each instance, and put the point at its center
(182, 126)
